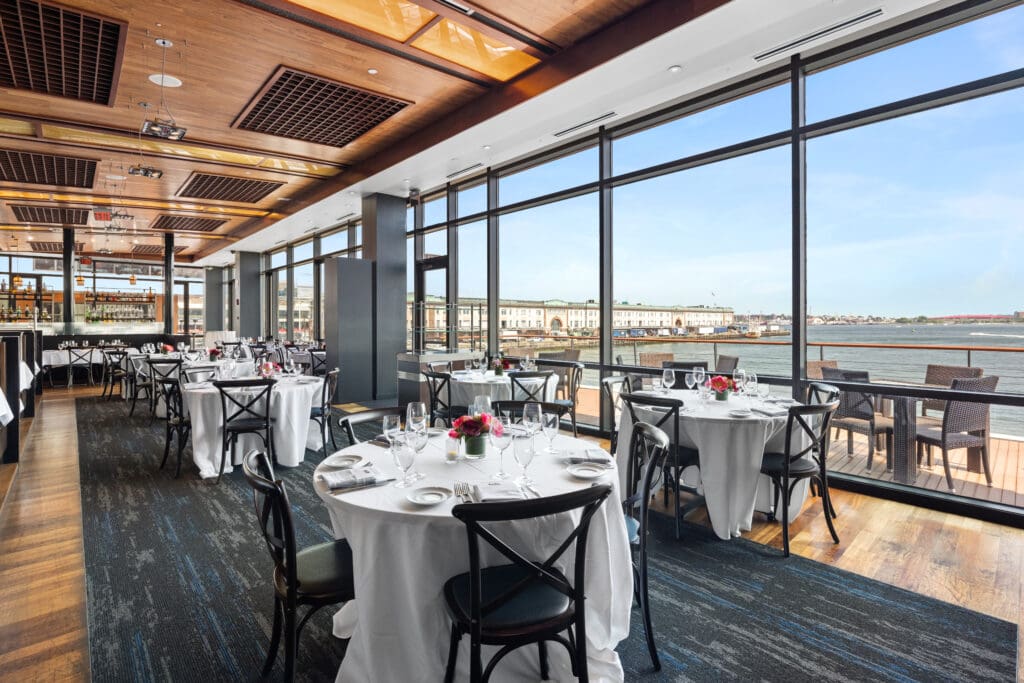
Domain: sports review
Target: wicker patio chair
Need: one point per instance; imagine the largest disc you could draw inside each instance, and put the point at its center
(856, 414)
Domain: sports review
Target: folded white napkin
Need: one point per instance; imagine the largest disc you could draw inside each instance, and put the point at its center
(590, 455)
(770, 410)
(350, 478)
(492, 493)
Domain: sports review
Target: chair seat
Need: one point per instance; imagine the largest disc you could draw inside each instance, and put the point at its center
(324, 572)
(774, 464)
(883, 424)
(247, 424)
(633, 530)
(933, 436)
(535, 605)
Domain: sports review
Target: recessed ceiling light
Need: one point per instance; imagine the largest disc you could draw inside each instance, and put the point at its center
(372, 72)
(166, 80)
(674, 69)
(30, 238)
(163, 42)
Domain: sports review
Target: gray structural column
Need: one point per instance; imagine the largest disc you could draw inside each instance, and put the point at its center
(248, 286)
(69, 263)
(169, 312)
(213, 300)
(348, 326)
(384, 245)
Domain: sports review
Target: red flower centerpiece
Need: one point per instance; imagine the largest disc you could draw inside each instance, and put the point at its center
(214, 354)
(722, 386)
(473, 429)
(167, 348)
(268, 369)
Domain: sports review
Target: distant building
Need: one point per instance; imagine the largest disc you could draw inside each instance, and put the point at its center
(1018, 315)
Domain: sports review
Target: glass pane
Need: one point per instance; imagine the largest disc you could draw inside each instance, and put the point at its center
(359, 239)
(472, 200)
(178, 304)
(397, 19)
(278, 259)
(750, 117)
(693, 264)
(196, 307)
(463, 45)
(302, 303)
(435, 211)
(435, 243)
(410, 218)
(336, 241)
(302, 252)
(984, 47)
(279, 284)
(472, 317)
(410, 279)
(559, 174)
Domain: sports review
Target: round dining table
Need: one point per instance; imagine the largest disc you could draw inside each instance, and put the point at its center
(466, 385)
(290, 402)
(403, 553)
(731, 447)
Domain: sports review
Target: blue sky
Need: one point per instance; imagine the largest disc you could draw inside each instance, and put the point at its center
(918, 215)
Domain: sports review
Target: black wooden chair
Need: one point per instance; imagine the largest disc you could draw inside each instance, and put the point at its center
(530, 386)
(857, 414)
(635, 381)
(245, 405)
(231, 349)
(137, 380)
(681, 367)
(323, 413)
(439, 387)
(158, 369)
(726, 364)
(514, 409)
(666, 411)
(313, 577)
(440, 366)
(348, 422)
(648, 448)
(80, 359)
(176, 422)
(198, 373)
(114, 371)
(318, 363)
(810, 423)
(573, 379)
(613, 388)
(965, 424)
(524, 602)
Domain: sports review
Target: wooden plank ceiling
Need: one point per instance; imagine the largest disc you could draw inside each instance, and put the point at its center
(284, 102)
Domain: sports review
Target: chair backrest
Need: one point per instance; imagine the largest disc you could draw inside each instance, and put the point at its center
(318, 359)
(377, 414)
(648, 448)
(681, 367)
(635, 381)
(476, 517)
(137, 363)
(943, 376)
(439, 386)
(654, 360)
(245, 399)
(574, 378)
(814, 368)
(727, 364)
(164, 368)
(514, 409)
(819, 392)
(78, 356)
(170, 389)
(444, 366)
(329, 388)
(530, 386)
(199, 373)
(968, 416)
(852, 404)
(811, 423)
(613, 388)
(665, 409)
(273, 515)
(115, 357)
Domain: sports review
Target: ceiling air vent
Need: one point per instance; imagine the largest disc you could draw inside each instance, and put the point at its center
(305, 107)
(59, 51)
(51, 215)
(227, 188)
(53, 247)
(187, 223)
(46, 169)
(153, 249)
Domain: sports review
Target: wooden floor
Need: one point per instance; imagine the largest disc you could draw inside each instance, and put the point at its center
(43, 628)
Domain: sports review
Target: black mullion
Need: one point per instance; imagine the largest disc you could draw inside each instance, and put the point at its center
(799, 216)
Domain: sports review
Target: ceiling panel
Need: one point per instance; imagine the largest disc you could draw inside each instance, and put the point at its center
(46, 169)
(50, 215)
(227, 188)
(562, 22)
(186, 223)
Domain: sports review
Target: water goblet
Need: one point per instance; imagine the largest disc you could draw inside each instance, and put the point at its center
(764, 391)
(417, 440)
(415, 414)
(523, 453)
(750, 384)
(501, 437)
(668, 380)
(392, 427)
(690, 380)
(700, 375)
(481, 404)
(550, 424)
(404, 456)
(739, 378)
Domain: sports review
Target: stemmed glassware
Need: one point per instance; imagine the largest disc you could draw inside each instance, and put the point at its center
(501, 437)
(415, 415)
(532, 420)
(739, 378)
(750, 384)
(668, 379)
(481, 404)
(392, 427)
(550, 423)
(690, 380)
(523, 453)
(699, 375)
(404, 456)
(416, 431)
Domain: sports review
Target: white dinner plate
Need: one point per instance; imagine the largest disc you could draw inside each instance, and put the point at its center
(341, 461)
(586, 470)
(429, 495)
(740, 413)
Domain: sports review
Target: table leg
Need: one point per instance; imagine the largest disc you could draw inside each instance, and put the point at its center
(904, 458)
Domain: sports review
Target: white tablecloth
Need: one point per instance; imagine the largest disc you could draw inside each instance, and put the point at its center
(731, 450)
(466, 386)
(290, 404)
(57, 358)
(403, 554)
(25, 375)
(211, 338)
(6, 414)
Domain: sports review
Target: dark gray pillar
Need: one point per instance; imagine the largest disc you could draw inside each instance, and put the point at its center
(799, 236)
(247, 294)
(493, 317)
(384, 245)
(168, 282)
(348, 326)
(69, 262)
(607, 291)
(213, 302)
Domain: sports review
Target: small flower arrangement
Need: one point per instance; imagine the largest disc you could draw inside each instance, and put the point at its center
(268, 369)
(469, 426)
(721, 386)
(167, 348)
(214, 354)
(500, 365)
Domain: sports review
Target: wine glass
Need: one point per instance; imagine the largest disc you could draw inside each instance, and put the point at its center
(415, 415)
(392, 427)
(551, 423)
(690, 380)
(739, 378)
(668, 380)
(532, 420)
(764, 390)
(416, 437)
(750, 384)
(523, 453)
(481, 404)
(501, 437)
(404, 455)
(699, 375)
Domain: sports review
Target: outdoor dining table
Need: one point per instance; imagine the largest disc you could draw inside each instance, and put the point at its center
(466, 385)
(731, 450)
(403, 553)
(290, 403)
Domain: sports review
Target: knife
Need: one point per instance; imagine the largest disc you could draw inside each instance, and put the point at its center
(346, 489)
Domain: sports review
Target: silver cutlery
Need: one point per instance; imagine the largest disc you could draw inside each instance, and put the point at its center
(347, 489)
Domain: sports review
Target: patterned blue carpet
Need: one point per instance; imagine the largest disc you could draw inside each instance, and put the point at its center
(179, 590)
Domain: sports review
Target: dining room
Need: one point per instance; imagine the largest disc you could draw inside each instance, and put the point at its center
(480, 341)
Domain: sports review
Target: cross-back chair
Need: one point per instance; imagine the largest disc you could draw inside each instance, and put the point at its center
(245, 406)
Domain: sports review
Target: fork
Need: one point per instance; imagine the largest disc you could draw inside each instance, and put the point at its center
(462, 491)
